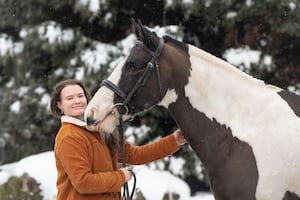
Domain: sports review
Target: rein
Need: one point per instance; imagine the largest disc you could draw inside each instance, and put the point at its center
(126, 195)
(152, 64)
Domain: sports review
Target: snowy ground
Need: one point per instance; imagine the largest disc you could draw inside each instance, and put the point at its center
(42, 168)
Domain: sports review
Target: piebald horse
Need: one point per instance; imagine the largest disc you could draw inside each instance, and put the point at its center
(245, 132)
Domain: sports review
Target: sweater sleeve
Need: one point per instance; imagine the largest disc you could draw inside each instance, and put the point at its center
(150, 152)
(72, 153)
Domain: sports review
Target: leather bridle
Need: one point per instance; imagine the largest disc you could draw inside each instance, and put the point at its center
(152, 64)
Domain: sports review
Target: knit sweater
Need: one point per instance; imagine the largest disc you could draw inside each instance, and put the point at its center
(85, 169)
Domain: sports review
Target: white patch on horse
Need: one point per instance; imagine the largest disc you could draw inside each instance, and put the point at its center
(105, 103)
(170, 97)
(255, 113)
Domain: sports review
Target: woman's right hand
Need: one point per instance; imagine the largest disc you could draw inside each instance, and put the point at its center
(179, 137)
(127, 173)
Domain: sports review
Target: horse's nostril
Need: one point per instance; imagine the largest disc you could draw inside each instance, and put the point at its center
(90, 121)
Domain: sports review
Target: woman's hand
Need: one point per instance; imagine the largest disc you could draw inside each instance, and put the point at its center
(127, 173)
(179, 137)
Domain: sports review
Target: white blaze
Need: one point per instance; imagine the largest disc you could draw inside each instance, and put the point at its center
(103, 101)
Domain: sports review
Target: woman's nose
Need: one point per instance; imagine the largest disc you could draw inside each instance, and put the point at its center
(77, 100)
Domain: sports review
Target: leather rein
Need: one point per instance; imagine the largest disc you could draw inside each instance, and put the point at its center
(152, 64)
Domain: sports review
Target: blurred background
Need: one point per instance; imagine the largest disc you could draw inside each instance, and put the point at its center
(46, 41)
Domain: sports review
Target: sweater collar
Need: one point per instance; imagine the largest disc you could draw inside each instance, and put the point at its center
(73, 120)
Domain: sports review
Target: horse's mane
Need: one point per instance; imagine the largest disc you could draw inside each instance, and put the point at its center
(181, 45)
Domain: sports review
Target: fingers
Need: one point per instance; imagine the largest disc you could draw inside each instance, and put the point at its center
(180, 139)
(127, 173)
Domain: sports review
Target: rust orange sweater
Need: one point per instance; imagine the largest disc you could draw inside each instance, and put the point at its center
(85, 168)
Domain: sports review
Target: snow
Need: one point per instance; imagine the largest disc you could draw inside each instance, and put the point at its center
(93, 5)
(53, 32)
(93, 58)
(15, 107)
(42, 168)
(244, 56)
(7, 46)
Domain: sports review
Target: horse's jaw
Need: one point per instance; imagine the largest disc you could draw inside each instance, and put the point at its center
(98, 114)
(101, 117)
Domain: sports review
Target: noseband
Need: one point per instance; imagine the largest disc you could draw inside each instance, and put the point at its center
(152, 64)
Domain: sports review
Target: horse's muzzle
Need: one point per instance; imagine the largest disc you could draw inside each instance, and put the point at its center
(91, 121)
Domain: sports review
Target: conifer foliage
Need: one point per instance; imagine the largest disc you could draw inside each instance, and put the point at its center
(32, 60)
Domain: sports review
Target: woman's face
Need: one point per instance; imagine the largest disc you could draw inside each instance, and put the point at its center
(73, 101)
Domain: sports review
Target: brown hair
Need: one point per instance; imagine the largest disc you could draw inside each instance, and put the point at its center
(111, 139)
(113, 143)
(55, 96)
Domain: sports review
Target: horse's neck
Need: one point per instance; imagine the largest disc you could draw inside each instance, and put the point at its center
(218, 89)
(216, 93)
(197, 128)
(209, 69)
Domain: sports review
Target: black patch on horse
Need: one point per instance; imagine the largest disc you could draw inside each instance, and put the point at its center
(229, 162)
(292, 99)
(290, 196)
(176, 43)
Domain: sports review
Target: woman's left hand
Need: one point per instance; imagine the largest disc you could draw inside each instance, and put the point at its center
(179, 137)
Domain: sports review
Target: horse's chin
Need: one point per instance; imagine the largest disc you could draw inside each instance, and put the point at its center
(92, 128)
(109, 124)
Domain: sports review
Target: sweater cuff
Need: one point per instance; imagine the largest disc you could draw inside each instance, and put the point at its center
(173, 142)
(122, 175)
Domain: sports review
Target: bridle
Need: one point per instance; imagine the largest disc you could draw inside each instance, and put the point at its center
(152, 64)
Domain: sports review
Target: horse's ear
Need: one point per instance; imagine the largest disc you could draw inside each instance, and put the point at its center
(137, 29)
(144, 34)
(147, 34)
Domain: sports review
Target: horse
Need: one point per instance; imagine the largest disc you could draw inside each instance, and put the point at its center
(245, 132)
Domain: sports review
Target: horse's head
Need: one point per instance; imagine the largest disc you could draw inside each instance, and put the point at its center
(134, 86)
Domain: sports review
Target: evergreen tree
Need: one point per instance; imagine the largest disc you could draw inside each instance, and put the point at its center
(34, 62)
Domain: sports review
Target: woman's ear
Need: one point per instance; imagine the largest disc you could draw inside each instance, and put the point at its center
(59, 105)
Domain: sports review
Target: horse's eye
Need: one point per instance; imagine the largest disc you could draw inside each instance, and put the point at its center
(131, 68)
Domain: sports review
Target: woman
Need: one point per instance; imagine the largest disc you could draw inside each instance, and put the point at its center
(87, 162)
